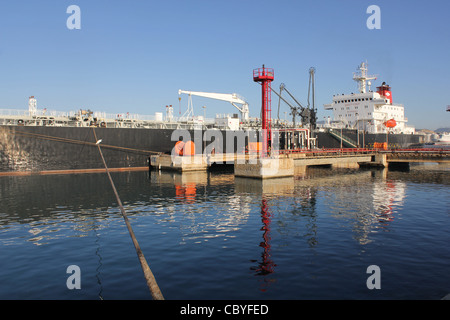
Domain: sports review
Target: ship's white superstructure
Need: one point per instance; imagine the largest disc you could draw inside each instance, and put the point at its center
(444, 139)
(373, 112)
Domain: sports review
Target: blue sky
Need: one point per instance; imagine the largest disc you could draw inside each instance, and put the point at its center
(133, 56)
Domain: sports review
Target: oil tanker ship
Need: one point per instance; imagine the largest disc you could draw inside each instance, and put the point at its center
(40, 140)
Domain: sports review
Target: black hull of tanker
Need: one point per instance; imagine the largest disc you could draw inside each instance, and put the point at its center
(66, 148)
(367, 140)
(40, 148)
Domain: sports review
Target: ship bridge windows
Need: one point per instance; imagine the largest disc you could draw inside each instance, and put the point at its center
(352, 100)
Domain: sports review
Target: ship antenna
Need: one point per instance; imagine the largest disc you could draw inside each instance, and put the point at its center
(362, 77)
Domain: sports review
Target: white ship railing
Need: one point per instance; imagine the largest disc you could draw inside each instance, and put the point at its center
(38, 113)
(122, 119)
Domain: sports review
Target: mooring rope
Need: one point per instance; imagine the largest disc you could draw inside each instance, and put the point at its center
(149, 277)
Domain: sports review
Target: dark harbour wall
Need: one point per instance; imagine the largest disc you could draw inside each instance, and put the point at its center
(395, 141)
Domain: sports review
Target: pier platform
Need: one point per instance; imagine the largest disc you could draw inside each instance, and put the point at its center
(197, 162)
(286, 164)
(253, 166)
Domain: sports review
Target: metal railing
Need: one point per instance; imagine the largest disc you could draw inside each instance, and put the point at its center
(331, 151)
(263, 72)
(37, 113)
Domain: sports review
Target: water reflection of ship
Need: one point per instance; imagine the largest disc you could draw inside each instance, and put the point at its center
(203, 190)
(351, 198)
(369, 210)
(100, 264)
(187, 185)
(186, 192)
(387, 196)
(306, 209)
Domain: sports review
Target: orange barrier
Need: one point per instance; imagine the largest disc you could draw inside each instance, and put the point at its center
(254, 146)
(184, 149)
(179, 148)
(189, 148)
(380, 145)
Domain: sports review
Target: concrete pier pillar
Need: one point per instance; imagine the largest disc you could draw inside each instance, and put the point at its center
(380, 160)
(179, 163)
(299, 170)
(263, 168)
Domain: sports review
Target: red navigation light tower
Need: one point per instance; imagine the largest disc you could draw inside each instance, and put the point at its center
(265, 77)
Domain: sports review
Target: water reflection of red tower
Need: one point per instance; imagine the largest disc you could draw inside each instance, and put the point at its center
(266, 266)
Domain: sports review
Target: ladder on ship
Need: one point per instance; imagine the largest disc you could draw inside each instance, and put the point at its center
(346, 141)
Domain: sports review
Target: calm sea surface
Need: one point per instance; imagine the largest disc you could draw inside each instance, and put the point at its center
(214, 236)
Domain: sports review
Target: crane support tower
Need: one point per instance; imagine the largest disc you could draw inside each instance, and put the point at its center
(265, 76)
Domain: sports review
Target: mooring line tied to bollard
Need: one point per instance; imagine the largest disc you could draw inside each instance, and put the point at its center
(148, 274)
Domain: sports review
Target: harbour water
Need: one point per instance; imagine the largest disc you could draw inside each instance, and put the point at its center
(214, 236)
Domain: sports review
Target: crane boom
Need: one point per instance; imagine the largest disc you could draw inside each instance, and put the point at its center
(232, 98)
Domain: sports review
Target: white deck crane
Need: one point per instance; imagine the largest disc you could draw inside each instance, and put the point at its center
(233, 98)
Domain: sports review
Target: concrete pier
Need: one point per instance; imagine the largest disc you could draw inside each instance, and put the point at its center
(263, 168)
(290, 164)
(341, 161)
(252, 166)
(179, 163)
